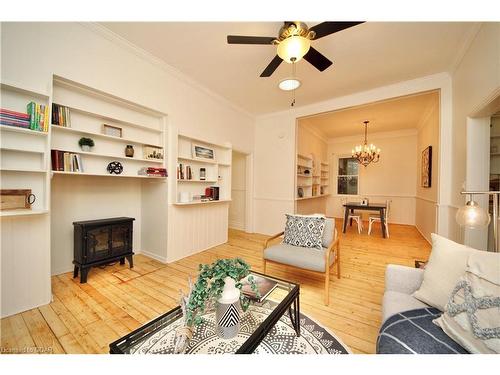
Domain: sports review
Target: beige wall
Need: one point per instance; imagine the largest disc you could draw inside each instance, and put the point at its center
(475, 81)
(427, 198)
(238, 191)
(392, 178)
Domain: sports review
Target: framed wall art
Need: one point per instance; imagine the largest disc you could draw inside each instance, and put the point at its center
(203, 152)
(426, 168)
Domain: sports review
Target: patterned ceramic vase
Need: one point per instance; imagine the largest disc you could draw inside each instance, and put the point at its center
(227, 313)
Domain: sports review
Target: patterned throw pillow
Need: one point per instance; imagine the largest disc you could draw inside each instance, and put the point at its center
(304, 231)
(472, 315)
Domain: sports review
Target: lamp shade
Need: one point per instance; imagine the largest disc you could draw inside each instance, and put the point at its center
(472, 216)
(293, 48)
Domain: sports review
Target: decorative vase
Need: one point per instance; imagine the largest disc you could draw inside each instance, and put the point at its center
(227, 314)
(129, 151)
(85, 148)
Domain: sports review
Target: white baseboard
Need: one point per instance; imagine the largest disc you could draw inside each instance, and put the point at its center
(154, 256)
(236, 225)
(423, 235)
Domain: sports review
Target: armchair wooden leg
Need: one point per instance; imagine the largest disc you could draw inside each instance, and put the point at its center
(338, 260)
(327, 286)
(264, 266)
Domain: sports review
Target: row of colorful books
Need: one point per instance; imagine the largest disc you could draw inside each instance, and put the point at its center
(61, 115)
(36, 117)
(153, 172)
(66, 161)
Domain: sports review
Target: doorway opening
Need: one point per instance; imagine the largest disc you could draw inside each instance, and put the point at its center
(239, 191)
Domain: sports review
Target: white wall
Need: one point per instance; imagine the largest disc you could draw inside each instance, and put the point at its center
(33, 52)
(275, 157)
(426, 203)
(237, 210)
(392, 178)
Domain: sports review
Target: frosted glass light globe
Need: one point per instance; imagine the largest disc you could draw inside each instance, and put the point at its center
(293, 48)
(472, 216)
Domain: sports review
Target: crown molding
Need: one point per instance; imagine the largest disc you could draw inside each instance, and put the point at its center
(152, 59)
(427, 113)
(466, 43)
(374, 136)
(314, 132)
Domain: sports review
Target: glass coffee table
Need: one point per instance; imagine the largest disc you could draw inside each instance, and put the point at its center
(157, 336)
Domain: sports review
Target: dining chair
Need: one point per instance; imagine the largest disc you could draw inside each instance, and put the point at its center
(376, 217)
(356, 216)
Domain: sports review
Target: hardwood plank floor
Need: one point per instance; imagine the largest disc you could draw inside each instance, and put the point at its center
(85, 318)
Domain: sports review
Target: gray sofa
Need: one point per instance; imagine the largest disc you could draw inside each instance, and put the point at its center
(407, 326)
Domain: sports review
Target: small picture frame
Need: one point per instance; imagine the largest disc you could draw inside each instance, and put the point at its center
(113, 131)
(200, 152)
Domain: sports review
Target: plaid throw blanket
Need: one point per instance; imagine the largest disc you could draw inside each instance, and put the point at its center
(412, 332)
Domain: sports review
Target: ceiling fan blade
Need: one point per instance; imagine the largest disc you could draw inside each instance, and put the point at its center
(327, 28)
(318, 60)
(273, 65)
(239, 39)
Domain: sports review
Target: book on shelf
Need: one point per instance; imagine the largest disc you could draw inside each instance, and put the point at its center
(66, 161)
(61, 115)
(153, 172)
(184, 172)
(264, 286)
(35, 118)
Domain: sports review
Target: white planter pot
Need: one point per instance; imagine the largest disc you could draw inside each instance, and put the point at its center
(227, 314)
(85, 148)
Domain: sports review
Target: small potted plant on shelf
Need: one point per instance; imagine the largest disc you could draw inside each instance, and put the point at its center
(218, 286)
(86, 143)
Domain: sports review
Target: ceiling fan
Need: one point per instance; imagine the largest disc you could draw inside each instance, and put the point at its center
(294, 42)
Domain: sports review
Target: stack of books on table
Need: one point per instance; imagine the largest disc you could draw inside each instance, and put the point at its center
(12, 118)
(152, 172)
(66, 161)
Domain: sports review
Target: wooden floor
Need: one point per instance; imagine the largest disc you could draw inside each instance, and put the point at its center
(85, 318)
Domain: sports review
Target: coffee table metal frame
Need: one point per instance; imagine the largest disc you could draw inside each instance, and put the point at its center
(290, 303)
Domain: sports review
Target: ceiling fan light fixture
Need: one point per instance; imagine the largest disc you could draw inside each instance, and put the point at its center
(293, 48)
(289, 84)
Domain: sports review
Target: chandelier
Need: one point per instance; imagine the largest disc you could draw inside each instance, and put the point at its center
(367, 153)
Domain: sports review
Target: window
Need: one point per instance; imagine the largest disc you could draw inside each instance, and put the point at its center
(347, 176)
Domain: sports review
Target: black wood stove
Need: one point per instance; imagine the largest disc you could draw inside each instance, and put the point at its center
(98, 242)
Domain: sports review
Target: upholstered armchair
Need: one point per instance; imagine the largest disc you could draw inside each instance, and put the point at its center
(311, 259)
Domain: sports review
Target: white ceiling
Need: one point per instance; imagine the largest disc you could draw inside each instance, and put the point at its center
(369, 55)
(386, 116)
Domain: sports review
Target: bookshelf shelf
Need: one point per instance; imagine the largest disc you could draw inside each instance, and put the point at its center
(108, 156)
(312, 197)
(202, 181)
(104, 136)
(24, 170)
(304, 175)
(105, 118)
(13, 129)
(9, 213)
(204, 202)
(106, 175)
(217, 171)
(15, 149)
(197, 160)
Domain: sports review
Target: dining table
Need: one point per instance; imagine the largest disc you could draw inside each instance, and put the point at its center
(380, 207)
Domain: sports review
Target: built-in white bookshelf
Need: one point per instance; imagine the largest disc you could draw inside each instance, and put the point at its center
(312, 179)
(24, 153)
(90, 111)
(210, 165)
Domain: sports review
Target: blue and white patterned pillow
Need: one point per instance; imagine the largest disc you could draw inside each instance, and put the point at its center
(304, 231)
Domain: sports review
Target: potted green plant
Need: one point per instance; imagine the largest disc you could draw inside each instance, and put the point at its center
(206, 292)
(86, 143)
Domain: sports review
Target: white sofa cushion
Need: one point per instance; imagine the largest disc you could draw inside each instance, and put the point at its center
(447, 263)
(472, 316)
